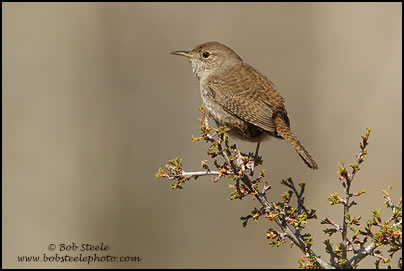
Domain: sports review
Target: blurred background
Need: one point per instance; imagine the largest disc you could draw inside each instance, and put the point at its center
(93, 104)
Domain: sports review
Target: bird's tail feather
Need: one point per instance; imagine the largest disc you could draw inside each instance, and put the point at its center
(283, 129)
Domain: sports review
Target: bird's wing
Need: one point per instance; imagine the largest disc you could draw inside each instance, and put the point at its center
(245, 92)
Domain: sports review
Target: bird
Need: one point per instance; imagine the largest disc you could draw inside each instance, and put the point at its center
(241, 98)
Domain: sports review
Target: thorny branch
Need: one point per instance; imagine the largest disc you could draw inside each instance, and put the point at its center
(240, 167)
(237, 166)
(347, 178)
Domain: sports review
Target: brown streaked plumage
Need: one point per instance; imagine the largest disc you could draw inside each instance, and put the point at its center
(238, 96)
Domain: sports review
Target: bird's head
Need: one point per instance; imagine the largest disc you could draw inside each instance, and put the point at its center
(208, 58)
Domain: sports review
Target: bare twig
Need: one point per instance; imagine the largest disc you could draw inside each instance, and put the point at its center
(197, 174)
(361, 254)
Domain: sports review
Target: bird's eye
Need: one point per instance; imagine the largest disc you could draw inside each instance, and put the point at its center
(205, 54)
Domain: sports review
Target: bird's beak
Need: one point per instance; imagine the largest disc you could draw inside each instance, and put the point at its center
(187, 54)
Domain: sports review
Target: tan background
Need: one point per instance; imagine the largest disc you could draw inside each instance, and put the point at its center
(93, 104)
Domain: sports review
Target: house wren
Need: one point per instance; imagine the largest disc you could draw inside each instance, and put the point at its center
(241, 98)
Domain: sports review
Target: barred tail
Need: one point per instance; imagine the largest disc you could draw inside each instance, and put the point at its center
(283, 129)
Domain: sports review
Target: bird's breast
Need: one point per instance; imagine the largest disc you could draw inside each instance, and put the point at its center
(237, 127)
(214, 109)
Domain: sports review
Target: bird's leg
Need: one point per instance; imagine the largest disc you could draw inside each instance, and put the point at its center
(256, 152)
(255, 158)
